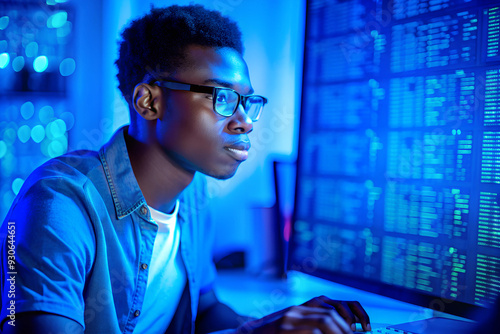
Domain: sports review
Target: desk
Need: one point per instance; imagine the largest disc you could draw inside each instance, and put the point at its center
(255, 296)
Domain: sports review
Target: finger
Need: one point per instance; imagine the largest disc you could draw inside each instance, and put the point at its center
(360, 314)
(329, 321)
(342, 308)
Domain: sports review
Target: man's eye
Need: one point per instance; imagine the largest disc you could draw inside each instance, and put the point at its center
(221, 98)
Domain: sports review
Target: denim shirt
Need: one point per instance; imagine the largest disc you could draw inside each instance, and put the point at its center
(83, 239)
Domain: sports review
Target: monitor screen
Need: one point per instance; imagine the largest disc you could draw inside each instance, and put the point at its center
(398, 172)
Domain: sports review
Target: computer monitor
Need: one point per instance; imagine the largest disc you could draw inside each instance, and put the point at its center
(398, 172)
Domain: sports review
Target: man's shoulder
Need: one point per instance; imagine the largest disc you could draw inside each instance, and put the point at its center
(76, 165)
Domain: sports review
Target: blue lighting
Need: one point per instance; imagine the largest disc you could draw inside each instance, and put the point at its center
(57, 20)
(69, 119)
(16, 185)
(4, 22)
(40, 64)
(27, 110)
(9, 136)
(55, 149)
(65, 30)
(3, 45)
(56, 129)
(4, 60)
(46, 114)
(67, 67)
(18, 63)
(38, 133)
(3, 149)
(31, 49)
(24, 134)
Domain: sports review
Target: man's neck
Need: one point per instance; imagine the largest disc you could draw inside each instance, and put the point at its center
(160, 179)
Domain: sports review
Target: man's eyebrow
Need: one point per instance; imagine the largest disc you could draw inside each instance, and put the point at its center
(223, 83)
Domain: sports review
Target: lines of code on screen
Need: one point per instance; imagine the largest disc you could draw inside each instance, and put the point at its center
(399, 150)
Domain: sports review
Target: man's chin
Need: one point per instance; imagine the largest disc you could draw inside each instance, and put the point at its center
(219, 175)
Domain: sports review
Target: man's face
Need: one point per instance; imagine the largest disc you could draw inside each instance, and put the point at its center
(190, 132)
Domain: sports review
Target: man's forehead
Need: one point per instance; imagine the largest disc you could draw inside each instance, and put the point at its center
(216, 66)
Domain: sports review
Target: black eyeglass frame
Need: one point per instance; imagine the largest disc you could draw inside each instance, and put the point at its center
(175, 85)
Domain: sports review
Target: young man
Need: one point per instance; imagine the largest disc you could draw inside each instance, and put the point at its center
(117, 241)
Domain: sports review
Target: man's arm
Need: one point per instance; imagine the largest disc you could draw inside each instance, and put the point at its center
(41, 323)
(318, 315)
(214, 315)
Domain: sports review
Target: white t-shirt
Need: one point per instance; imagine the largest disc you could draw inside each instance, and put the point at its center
(166, 277)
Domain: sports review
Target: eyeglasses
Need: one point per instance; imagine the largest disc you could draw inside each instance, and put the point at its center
(225, 100)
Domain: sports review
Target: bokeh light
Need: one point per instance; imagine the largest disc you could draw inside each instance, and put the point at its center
(65, 30)
(57, 20)
(18, 63)
(46, 114)
(17, 184)
(9, 136)
(24, 134)
(67, 67)
(4, 22)
(38, 133)
(27, 110)
(69, 119)
(4, 60)
(40, 64)
(57, 147)
(3, 149)
(31, 49)
(56, 129)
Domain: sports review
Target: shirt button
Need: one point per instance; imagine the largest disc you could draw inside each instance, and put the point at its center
(144, 210)
(144, 266)
(137, 313)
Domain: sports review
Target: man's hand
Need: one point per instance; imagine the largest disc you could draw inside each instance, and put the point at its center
(318, 315)
(350, 311)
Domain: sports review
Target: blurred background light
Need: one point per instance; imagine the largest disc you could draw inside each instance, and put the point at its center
(9, 136)
(57, 20)
(38, 133)
(67, 67)
(27, 110)
(4, 60)
(31, 49)
(4, 22)
(69, 119)
(24, 134)
(46, 114)
(56, 129)
(56, 148)
(65, 30)
(18, 63)
(17, 184)
(40, 64)
(3, 45)
(3, 148)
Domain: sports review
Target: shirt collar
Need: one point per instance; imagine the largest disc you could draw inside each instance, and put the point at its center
(127, 196)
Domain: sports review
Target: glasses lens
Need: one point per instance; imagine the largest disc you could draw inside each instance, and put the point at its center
(253, 107)
(225, 101)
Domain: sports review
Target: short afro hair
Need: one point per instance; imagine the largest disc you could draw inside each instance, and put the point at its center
(157, 41)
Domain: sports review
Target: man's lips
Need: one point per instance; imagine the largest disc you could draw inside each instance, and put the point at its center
(239, 151)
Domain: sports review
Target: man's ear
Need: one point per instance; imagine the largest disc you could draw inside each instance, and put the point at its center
(145, 101)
